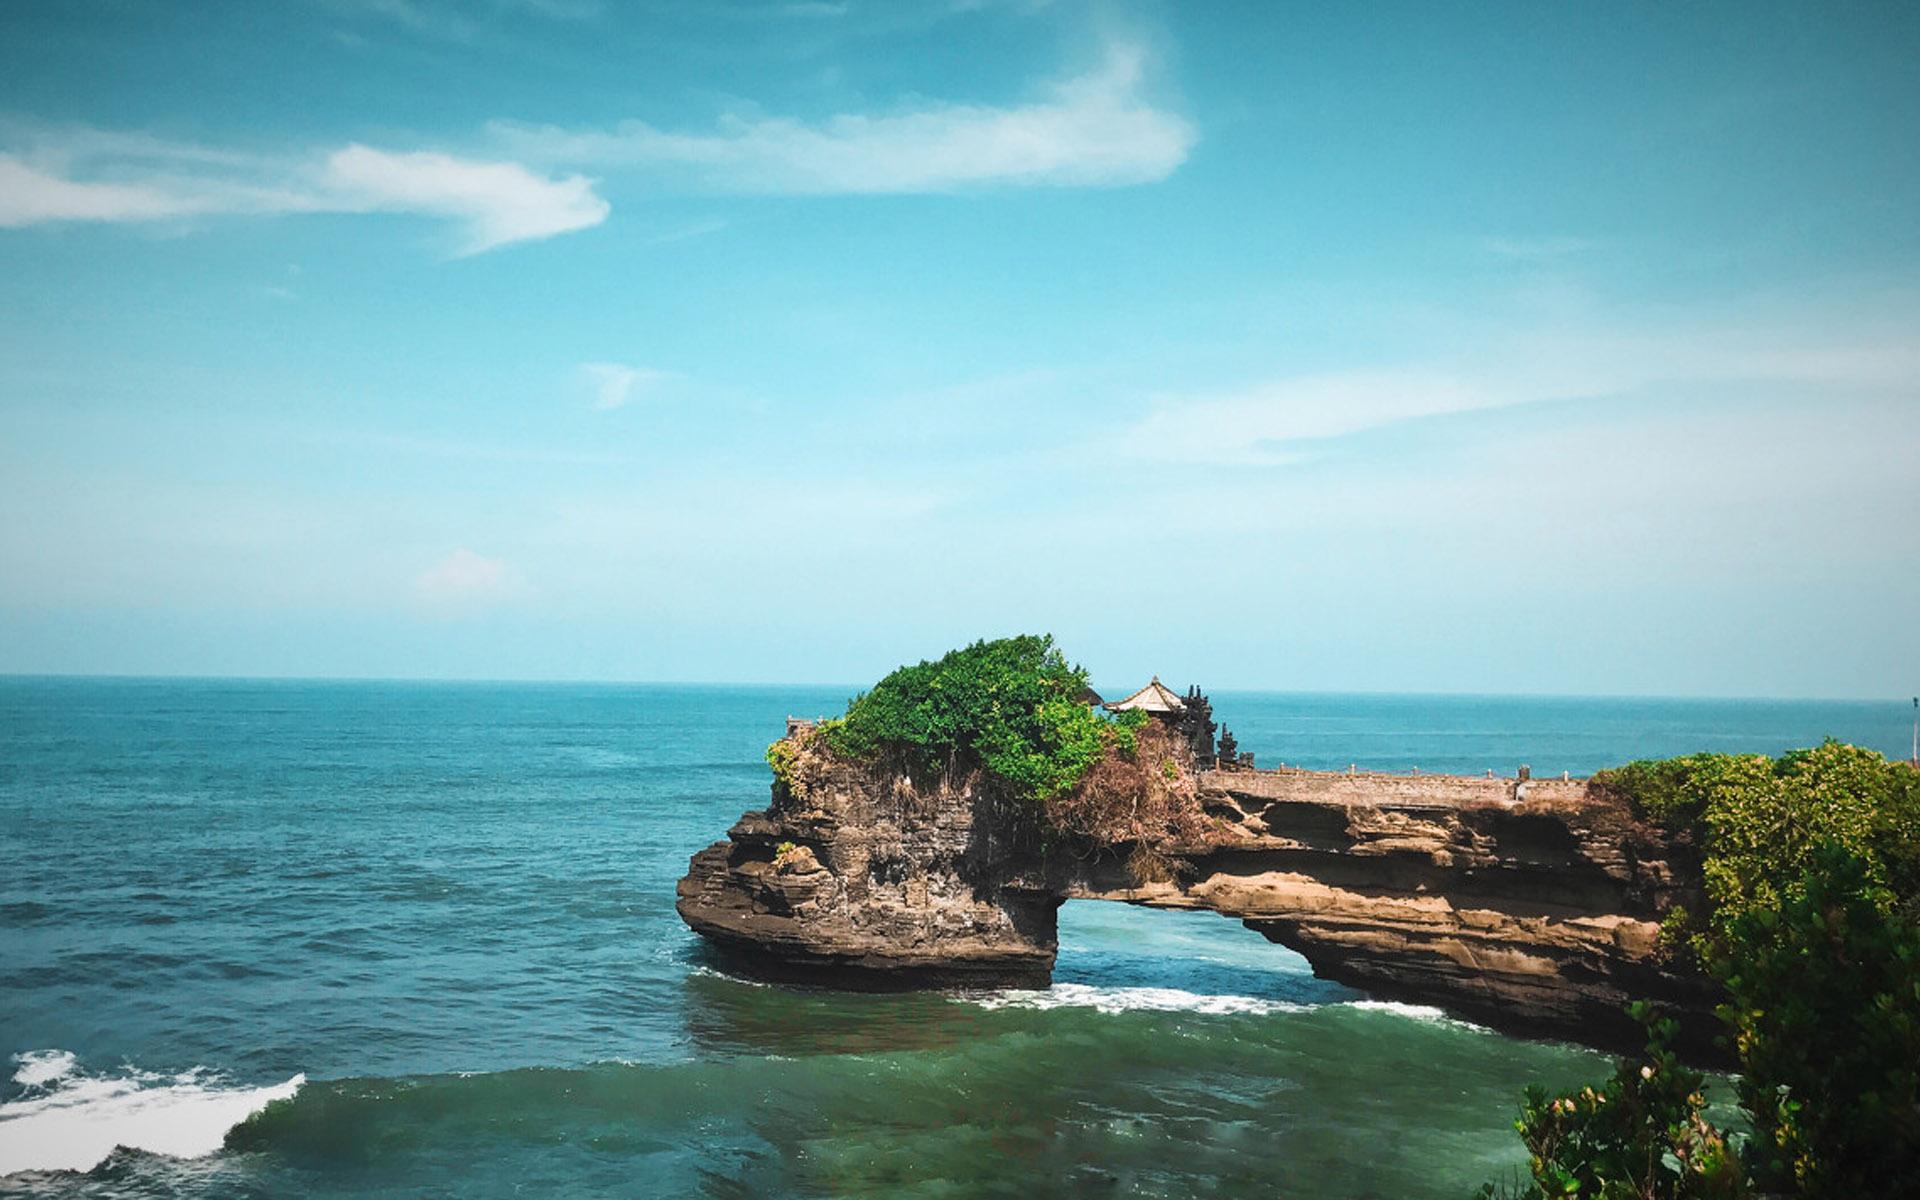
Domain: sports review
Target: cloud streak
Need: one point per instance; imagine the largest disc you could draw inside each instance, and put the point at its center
(616, 385)
(494, 203)
(1092, 130)
(92, 176)
(1274, 423)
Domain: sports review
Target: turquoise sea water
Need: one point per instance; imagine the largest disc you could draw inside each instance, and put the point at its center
(419, 939)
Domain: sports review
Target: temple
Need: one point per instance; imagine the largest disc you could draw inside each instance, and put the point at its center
(1192, 716)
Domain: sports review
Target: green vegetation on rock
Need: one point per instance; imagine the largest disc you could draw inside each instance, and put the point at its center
(1812, 870)
(1760, 822)
(1014, 707)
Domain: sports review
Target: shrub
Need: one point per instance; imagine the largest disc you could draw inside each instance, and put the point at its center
(783, 756)
(1014, 707)
(1642, 1135)
(1759, 820)
(1812, 870)
(1823, 998)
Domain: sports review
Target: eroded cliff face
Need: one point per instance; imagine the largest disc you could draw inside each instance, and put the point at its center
(1530, 906)
(856, 877)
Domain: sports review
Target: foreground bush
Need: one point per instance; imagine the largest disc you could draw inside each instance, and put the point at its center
(1812, 869)
(1823, 998)
(1642, 1135)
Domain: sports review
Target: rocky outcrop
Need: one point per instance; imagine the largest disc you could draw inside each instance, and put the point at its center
(856, 877)
(1531, 906)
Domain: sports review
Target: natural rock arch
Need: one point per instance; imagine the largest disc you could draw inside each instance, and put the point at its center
(1528, 905)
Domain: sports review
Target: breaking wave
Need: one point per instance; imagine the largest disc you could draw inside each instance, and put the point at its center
(1164, 999)
(66, 1119)
(1133, 999)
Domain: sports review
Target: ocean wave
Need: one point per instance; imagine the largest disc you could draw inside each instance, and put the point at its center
(1133, 999)
(70, 1120)
(1419, 1012)
(716, 973)
(1413, 1012)
(1165, 999)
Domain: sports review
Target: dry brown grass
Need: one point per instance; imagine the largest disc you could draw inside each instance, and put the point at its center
(1149, 799)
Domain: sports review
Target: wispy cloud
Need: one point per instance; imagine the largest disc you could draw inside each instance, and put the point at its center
(695, 229)
(1276, 422)
(616, 385)
(1094, 129)
(496, 203)
(1091, 130)
(85, 175)
(134, 188)
(464, 580)
(1258, 426)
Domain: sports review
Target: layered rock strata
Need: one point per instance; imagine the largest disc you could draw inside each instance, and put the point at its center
(1530, 906)
(856, 877)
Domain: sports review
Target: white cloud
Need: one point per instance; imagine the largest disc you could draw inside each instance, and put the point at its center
(1091, 130)
(466, 580)
(33, 193)
(1254, 427)
(1268, 424)
(83, 175)
(496, 202)
(616, 385)
(29, 196)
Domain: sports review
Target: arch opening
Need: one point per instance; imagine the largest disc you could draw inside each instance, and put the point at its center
(1135, 956)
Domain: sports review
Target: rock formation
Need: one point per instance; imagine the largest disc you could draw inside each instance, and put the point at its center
(1532, 906)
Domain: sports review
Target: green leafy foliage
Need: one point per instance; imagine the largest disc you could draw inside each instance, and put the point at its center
(1013, 706)
(1760, 820)
(1126, 730)
(1642, 1135)
(1823, 997)
(1812, 870)
(783, 756)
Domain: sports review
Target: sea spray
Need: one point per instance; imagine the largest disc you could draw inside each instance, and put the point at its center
(67, 1119)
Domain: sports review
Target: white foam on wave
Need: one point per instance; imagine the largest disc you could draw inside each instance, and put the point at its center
(69, 1120)
(38, 1068)
(1157, 999)
(1414, 1012)
(711, 973)
(1419, 1012)
(1133, 999)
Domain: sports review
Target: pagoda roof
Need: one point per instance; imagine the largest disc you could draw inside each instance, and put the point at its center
(1155, 698)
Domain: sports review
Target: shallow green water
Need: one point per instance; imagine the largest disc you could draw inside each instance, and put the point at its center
(436, 923)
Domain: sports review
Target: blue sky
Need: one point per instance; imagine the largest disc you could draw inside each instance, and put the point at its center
(1507, 348)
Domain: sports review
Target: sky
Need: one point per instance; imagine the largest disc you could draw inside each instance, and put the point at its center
(1508, 348)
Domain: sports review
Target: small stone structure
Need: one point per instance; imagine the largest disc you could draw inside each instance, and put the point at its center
(1191, 715)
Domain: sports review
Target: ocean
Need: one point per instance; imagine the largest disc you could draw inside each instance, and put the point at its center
(417, 939)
